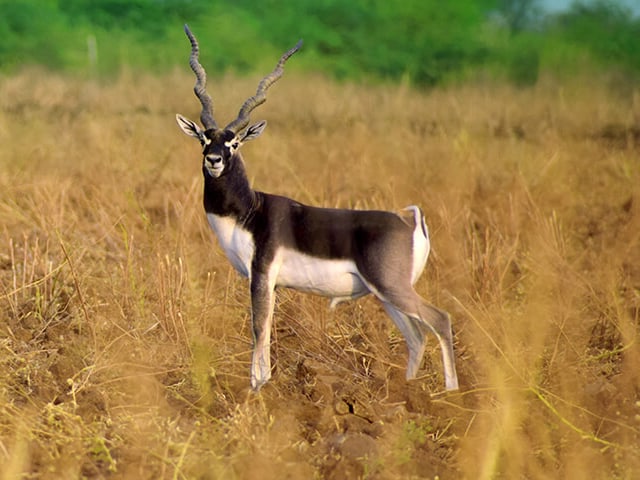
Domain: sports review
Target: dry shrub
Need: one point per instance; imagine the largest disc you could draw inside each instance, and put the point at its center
(125, 336)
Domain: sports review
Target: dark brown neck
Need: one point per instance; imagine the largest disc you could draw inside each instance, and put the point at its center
(229, 195)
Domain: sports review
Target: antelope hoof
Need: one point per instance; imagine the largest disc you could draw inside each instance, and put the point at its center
(259, 378)
(451, 384)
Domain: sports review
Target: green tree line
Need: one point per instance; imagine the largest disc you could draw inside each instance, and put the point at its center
(426, 42)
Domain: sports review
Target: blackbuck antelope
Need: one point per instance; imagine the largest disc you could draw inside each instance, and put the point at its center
(278, 242)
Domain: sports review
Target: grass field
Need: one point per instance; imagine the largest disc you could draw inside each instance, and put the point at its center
(124, 332)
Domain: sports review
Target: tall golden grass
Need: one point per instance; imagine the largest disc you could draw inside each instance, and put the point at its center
(124, 333)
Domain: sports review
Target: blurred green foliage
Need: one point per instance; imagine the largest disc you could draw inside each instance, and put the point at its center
(425, 42)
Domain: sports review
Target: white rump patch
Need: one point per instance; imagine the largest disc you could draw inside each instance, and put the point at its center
(421, 244)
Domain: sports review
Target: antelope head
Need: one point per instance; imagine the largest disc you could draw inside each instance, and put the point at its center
(220, 145)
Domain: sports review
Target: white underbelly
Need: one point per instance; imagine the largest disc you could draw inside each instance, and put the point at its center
(329, 278)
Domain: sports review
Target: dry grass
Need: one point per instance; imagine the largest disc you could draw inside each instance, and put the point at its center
(124, 334)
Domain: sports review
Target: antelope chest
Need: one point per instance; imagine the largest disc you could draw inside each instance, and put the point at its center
(236, 242)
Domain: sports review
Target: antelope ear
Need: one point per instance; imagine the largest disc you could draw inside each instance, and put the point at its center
(253, 131)
(190, 128)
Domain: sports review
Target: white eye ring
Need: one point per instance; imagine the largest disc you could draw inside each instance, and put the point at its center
(233, 144)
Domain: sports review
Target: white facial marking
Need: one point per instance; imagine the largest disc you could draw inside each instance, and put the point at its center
(207, 140)
(233, 144)
(214, 165)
